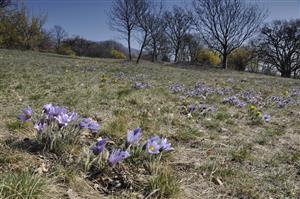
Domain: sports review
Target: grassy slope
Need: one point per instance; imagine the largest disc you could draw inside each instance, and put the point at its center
(222, 154)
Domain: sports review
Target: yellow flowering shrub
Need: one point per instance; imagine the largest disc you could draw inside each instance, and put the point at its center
(117, 54)
(207, 57)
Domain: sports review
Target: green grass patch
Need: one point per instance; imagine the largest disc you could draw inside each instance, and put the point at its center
(22, 186)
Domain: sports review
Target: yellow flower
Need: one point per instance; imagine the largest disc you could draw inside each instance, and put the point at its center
(252, 108)
(103, 78)
(286, 93)
(258, 114)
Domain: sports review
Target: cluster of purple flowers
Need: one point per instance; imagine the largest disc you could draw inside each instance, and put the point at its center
(291, 98)
(154, 145)
(282, 102)
(294, 92)
(249, 97)
(201, 108)
(26, 115)
(200, 89)
(116, 155)
(51, 113)
(177, 88)
(224, 91)
(233, 100)
(140, 85)
(59, 114)
(88, 123)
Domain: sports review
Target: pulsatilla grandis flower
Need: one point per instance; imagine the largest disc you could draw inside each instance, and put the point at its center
(40, 126)
(266, 117)
(233, 100)
(156, 144)
(134, 136)
(153, 145)
(90, 124)
(177, 88)
(99, 147)
(64, 119)
(140, 85)
(26, 115)
(165, 145)
(47, 108)
(53, 111)
(117, 156)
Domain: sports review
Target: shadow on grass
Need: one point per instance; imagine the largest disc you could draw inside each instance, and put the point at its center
(29, 145)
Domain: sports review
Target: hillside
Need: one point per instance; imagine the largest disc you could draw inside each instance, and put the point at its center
(234, 134)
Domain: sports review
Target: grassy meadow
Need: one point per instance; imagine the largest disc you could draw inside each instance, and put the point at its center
(224, 144)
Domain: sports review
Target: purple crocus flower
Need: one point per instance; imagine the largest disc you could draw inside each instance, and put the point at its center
(155, 138)
(99, 147)
(90, 124)
(134, 136)
(241, 104)
(280, 104)
(177, 88)
(266, 117)
(94, 127)
(191, 108)
(140, 85)
(165, 146)
(57, 111)
(63, 120)
(47, 108)
(84, 124)
(153, 146)
(26, 115)
(40, 126)
(117, 156)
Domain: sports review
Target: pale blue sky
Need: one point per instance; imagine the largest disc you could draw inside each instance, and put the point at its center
(88, 18)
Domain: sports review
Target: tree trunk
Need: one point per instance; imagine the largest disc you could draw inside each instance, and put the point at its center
(154, 54)
(176, 55)
(286, 73)
(224, 61)
(129, 45)
(142, 48)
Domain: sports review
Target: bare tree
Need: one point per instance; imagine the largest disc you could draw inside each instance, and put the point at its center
(226, 24)
(178, 23)
(5, 3)
(192, 44)
(142, 13)
(279, 44)
(122, 19)
(156, 26)
(6, 6)
(58, 34)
